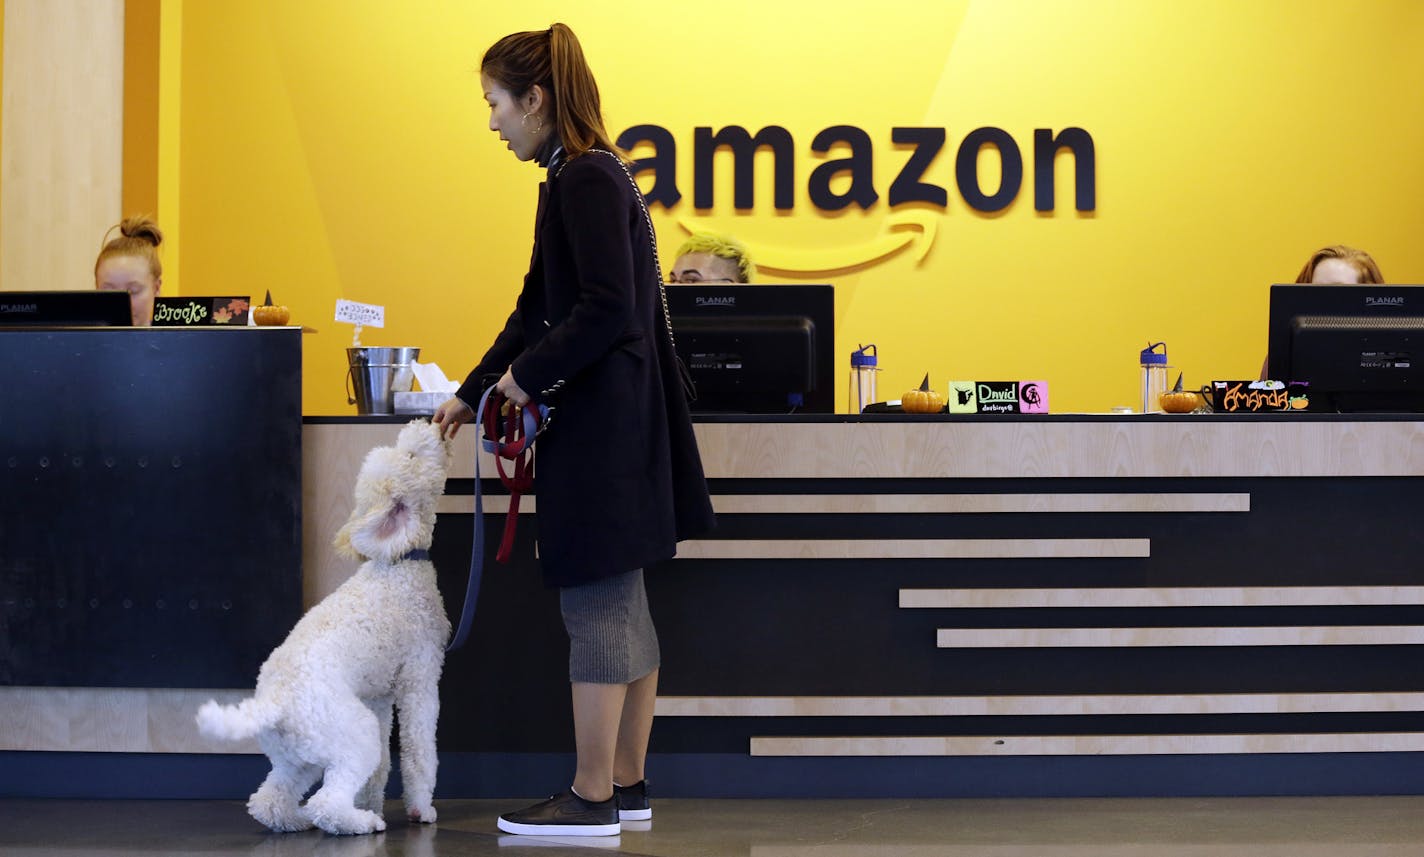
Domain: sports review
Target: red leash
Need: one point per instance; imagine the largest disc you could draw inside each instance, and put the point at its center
(514, 442)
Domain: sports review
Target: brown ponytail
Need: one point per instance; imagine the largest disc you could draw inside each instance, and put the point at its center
(138, 236)
(554, 60)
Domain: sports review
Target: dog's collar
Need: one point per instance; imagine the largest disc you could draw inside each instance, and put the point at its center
(418, 553)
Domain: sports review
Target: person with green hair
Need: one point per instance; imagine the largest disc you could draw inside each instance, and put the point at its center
(707, 257)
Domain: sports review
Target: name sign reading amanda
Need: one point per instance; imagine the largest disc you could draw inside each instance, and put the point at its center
(1229, 397)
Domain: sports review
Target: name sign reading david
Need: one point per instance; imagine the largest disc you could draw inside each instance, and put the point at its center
(200, 311)
(998, 397)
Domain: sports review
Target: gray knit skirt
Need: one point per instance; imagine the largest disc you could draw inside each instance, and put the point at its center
(611, 635)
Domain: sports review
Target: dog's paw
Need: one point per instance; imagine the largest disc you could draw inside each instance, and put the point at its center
(423, 814)
(353, 822)
(278, 816)
(342, 819)
(277, 810)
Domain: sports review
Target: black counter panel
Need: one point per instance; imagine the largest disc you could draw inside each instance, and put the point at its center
(150, 505)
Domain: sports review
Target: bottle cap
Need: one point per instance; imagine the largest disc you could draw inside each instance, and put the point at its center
(1150, 357)
(859, 359)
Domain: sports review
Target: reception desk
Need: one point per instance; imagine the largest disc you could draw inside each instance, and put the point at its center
(944, 606)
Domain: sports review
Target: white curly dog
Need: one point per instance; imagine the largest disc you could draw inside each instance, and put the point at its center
(322, 709)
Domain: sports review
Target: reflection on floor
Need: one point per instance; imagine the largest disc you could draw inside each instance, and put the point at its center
(1188, 827)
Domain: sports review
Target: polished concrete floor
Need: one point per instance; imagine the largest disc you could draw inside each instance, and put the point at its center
(1195, 827)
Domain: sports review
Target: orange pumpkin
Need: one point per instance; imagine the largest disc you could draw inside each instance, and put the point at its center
(922, 402)
(1178, 402)
(268, 315)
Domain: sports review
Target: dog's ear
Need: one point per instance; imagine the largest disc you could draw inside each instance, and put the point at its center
(342, 543)
(386, 531)
(396, 522)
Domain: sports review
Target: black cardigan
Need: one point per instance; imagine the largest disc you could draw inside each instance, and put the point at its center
(618, 474)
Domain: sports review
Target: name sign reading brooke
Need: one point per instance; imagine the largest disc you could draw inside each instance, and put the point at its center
(200, 311)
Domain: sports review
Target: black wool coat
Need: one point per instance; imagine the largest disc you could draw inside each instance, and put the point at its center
(617, 473)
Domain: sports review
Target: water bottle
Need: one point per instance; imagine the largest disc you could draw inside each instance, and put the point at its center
(862, 377)
(1154, 377)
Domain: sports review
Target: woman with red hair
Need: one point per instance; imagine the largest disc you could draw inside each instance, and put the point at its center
(1340, 265)
(1336, 265)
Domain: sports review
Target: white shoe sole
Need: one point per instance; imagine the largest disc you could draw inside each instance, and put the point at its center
(519, 840)
(635, 814)
(560, 829)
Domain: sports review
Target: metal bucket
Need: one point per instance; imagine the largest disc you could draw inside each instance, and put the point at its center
(374, 374)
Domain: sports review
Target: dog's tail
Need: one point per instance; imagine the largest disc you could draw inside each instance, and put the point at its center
(235, 722)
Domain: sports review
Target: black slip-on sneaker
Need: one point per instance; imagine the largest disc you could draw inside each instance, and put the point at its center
(564, 814)
(633, 802)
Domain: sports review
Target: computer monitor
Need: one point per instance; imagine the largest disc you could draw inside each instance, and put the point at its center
(1358, 347)
(757, 349)
(89, 308)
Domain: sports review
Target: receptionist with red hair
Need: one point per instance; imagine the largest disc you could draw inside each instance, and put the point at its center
(1340, 265)
(129, 263)
(1336, 265)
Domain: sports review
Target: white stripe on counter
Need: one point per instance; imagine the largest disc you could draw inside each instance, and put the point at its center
(1323, 635)
(910, 548)
(1203, 596)
(914, 504)
(1090, 704)
(1089, 745)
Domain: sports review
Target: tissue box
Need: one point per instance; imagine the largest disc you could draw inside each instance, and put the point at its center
(419, 402)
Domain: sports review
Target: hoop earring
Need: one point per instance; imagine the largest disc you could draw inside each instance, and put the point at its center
(524, 123)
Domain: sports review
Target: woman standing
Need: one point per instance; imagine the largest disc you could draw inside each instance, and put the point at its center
(619, 478)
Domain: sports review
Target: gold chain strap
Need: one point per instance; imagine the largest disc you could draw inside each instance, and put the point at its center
(652, 235)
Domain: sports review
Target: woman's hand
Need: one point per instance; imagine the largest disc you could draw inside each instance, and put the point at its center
(451, 415)
(511, 391)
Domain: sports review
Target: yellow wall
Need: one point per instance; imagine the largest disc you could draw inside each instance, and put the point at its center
(333, 148)
(141, 87)
(2, 67)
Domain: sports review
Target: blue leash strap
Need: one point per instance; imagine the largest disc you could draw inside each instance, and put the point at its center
(477, 551)
(477, 564)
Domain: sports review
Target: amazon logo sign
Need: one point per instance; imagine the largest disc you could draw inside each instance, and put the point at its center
(910, 185)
